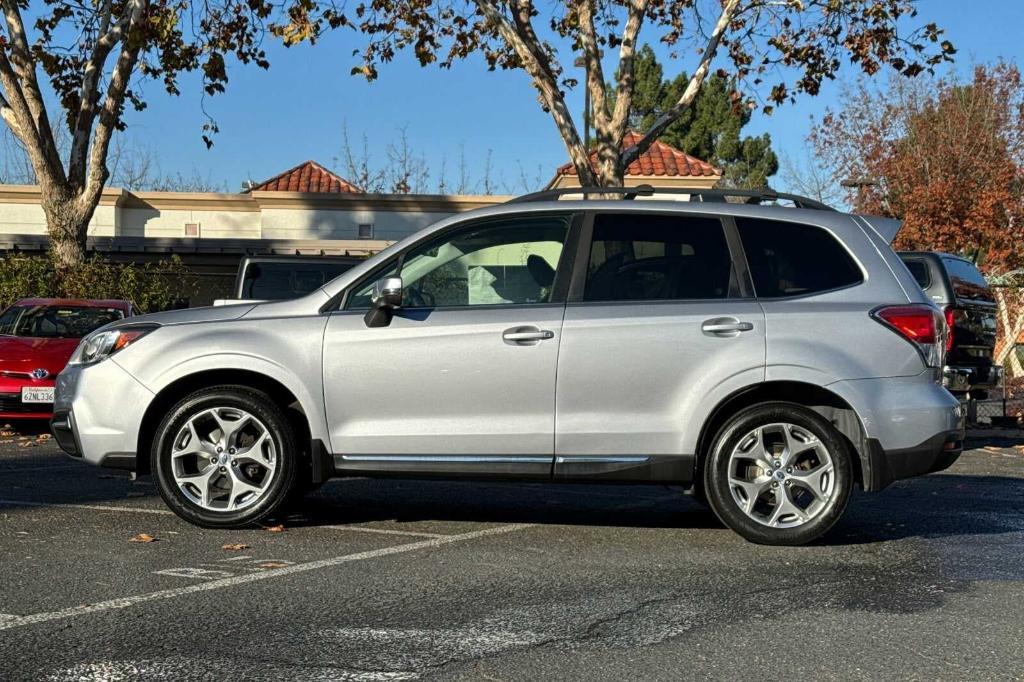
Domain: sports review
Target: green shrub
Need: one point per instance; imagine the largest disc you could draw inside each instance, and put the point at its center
(151, 286)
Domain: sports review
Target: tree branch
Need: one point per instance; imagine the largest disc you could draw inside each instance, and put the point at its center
(19, 117)
(729, 10)
(89, 94)
(25, 71)
(113, 105)
(626, 76)
(592, 59)
(529, 50)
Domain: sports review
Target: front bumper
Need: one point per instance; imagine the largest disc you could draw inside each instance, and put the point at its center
(11, 406)
(97, 413)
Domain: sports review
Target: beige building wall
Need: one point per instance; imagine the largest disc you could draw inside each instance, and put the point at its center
(288, 216)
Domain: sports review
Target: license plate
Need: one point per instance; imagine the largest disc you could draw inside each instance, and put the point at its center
(37, 395)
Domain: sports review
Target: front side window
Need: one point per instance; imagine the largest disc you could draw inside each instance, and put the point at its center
(508, 262)
(55, 321)
(792, 259)
(636, 257)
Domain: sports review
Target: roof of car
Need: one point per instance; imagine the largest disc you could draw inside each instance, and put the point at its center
(937, 254)
(77, 302)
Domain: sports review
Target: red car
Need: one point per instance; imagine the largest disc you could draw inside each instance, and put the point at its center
(37, 337)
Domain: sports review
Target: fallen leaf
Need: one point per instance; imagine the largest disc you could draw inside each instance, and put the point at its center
(279, 528)
(142, 537)
(234, 546)
(28, 444)
(272, 564)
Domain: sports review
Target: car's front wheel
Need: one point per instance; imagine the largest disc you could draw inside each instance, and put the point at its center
(779, 474)
(225, 457)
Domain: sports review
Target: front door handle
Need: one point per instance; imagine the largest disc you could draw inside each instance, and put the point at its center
(526, 336)
(725, 326)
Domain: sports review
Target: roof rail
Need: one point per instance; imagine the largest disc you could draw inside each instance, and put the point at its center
(695, 194)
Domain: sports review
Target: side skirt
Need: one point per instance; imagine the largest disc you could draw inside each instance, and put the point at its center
(672, 469)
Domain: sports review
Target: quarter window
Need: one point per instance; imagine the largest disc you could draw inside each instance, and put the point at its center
(511, 262)
(638, 257)
(791, 259)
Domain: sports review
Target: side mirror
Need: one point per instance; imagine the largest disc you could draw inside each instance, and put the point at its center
(387, 293)
(385, 299)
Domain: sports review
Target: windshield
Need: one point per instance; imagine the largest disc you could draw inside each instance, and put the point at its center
(55, 321)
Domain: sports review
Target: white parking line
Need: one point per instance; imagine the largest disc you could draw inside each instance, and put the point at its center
(90, 507)
(386, 531)
(126, 602)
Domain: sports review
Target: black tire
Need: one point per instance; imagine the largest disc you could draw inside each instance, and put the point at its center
(257, 404)
(716, 473)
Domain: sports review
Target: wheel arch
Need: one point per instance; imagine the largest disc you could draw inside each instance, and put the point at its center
(278, 392)
(821, 400)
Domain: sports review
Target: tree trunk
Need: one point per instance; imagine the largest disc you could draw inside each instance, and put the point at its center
(67, 224)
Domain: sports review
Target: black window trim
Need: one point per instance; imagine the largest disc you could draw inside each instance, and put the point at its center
(831, 233)
(732, 239)
(562, 272)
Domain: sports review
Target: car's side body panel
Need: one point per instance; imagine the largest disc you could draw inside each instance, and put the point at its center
(442, 382)
(638, 378)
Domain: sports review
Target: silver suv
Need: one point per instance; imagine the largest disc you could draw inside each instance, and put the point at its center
(770, 357)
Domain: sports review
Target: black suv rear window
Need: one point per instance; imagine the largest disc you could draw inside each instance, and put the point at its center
(790, 259)
(967, 282)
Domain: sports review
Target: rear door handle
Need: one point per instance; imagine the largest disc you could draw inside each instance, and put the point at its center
(725, 326)
(526, 336)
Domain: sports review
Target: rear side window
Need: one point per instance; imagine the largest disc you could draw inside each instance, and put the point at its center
(636, 257)
(967, 282)
(919, 271)
(790, 259)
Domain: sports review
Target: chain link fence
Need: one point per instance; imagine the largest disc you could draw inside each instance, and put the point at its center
(1004, 406)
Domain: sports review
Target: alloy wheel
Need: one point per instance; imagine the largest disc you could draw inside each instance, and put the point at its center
(781, 475)
(224, 459)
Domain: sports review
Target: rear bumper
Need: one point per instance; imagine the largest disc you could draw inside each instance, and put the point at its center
(934, 454)
(961, 379)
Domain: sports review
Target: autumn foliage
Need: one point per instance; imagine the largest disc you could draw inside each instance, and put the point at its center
(945, 156)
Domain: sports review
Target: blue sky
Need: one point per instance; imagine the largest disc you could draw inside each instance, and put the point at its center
(273, 120)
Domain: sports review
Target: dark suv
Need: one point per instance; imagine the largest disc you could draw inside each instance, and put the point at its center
(956, 285)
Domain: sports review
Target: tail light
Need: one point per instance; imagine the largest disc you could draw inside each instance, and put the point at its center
(921, 325)
(949, 329)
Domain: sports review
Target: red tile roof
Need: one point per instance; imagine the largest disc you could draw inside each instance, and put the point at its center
(660, 159)
(308, 176)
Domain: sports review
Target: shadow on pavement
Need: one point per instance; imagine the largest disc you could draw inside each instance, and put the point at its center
(941, 505)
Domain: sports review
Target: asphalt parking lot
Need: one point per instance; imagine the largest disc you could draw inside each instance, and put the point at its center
(401, 580)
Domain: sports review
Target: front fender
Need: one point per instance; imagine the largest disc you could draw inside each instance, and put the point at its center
(287, 350)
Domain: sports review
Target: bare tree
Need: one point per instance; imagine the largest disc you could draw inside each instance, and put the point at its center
(811, 179)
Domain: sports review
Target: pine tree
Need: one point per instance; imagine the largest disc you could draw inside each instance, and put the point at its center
(710, 129)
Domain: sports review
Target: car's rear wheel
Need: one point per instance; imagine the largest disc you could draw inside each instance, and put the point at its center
(225, 457)
(779, 474)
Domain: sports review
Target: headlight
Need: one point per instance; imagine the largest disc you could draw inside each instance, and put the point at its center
(101, 345)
